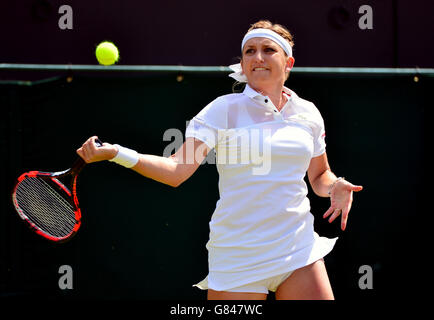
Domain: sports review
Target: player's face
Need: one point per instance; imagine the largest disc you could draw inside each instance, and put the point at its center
(264, 62)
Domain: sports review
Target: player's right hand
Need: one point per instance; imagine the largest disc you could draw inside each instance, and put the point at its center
(90, 152)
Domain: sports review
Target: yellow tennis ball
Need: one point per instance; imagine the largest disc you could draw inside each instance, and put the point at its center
(107, 53)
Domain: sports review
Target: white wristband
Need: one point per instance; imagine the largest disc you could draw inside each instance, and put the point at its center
(126, 157)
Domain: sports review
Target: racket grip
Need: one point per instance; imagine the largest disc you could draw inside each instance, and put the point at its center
(80, 163)
(98, 142)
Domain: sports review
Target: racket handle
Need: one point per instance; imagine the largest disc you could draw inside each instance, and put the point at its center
(80, 163)
(98, 142)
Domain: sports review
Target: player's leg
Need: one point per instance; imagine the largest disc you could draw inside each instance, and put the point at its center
(308, 283)
(225, 295)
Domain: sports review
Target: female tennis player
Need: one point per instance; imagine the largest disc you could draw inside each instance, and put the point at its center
(266, 138)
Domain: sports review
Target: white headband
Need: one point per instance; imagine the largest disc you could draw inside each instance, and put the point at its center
(269, 34)
(259, 33)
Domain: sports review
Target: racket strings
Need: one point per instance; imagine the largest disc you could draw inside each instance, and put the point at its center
(45, 207)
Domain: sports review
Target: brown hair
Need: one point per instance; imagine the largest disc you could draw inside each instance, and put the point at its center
(278, 28)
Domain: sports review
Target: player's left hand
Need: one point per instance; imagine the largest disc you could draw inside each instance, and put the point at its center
(341, 199)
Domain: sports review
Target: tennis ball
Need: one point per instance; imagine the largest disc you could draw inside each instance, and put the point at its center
(107, 53)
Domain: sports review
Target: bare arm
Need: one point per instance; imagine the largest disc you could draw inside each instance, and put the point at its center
(177, 168)
(171, 170)
(323, 181)
(320, 175)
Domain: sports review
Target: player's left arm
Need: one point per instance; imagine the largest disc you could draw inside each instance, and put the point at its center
(320, 175)
(325, 184)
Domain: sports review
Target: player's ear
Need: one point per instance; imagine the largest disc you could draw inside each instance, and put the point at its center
(289, 64)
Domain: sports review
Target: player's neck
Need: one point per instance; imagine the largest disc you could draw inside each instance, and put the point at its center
(275, 95)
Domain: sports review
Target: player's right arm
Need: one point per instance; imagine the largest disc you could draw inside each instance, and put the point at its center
(172, 170)
(177, 168)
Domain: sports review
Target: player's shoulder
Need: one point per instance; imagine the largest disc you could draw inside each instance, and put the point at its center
(303, 105)
(215, 112)
(221, 103)
(304, 109)
(228, 99)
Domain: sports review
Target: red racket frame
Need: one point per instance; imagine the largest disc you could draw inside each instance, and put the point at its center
(71, 196)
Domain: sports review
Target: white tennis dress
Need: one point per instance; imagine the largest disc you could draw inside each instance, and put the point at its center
(262, 225)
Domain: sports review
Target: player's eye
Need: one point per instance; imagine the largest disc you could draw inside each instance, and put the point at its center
(249, 51)
(270, 49)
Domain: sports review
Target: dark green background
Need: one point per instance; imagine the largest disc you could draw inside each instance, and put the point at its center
(145, 240)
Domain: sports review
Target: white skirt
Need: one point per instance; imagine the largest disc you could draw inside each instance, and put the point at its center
(225, 281)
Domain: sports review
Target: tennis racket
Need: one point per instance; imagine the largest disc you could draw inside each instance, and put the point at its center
(47, 205)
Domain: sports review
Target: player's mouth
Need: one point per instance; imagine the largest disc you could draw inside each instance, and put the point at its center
(260, 69)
